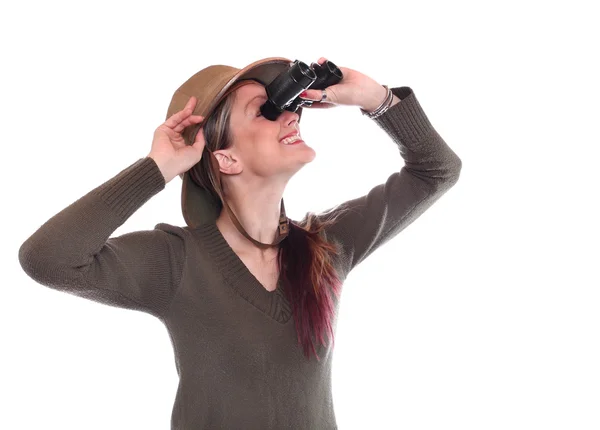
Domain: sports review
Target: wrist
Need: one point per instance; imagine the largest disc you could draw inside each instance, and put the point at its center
(162, 166)
(375, 98)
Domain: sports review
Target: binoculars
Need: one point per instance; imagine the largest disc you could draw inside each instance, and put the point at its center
(283, 92)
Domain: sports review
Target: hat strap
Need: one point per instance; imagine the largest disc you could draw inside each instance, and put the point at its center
(284, 222)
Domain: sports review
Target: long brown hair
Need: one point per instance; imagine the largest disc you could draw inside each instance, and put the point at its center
(304, 258)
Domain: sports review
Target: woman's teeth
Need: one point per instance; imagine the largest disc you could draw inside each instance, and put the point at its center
(290, 140)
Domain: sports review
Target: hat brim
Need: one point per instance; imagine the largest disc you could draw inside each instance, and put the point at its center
(197, 203)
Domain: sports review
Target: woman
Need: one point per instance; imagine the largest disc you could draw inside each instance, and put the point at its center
(227, 285)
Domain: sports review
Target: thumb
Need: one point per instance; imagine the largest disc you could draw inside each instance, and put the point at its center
(189, 157)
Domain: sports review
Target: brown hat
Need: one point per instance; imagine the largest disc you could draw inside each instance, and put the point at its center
(210, 86)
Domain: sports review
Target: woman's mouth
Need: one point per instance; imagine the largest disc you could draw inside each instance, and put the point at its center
(292, 140)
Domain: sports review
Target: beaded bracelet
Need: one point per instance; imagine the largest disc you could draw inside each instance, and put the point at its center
(382, 107)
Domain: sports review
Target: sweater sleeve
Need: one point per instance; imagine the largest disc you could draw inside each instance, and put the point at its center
(430, 169)
(73, 252)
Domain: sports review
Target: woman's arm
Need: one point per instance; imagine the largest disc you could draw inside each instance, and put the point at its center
(430, 169)
(72, 251)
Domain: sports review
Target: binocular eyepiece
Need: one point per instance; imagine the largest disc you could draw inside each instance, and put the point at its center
(283, 92)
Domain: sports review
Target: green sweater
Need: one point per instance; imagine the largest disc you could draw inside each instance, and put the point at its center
(234, 342)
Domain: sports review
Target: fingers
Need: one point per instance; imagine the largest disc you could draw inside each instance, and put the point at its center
(178, 117)
(317, 95)
(192, 119)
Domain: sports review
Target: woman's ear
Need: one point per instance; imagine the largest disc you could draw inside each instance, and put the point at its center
(227, 163)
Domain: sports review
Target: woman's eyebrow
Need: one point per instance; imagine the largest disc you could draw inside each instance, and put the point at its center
(253, 98)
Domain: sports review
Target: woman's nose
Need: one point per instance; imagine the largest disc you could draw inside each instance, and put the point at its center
(288, 117)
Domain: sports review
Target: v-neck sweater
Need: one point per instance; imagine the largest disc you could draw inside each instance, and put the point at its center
(235, 344)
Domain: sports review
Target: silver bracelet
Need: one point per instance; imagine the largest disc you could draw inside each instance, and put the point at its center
(382, 107)
(387, 104)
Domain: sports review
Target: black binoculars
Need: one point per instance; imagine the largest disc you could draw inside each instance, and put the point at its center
(283, 92)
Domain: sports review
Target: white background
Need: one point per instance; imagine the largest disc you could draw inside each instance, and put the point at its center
(482, 314)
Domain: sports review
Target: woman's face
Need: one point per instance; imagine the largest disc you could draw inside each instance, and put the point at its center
(257, 141)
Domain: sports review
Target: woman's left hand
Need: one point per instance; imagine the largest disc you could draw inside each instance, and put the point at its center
(355, 89)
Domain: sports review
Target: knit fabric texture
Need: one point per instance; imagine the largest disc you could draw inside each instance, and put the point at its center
(234, 342)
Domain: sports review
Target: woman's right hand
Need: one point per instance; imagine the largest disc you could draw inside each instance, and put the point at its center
(169, 150)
